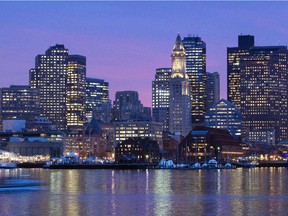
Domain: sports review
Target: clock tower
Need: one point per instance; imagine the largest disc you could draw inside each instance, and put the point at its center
(179, 91)
(178, 57)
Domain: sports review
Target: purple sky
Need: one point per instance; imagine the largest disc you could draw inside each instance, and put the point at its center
(125, 42)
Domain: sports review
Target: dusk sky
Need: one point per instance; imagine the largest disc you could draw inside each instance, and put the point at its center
(125, 42)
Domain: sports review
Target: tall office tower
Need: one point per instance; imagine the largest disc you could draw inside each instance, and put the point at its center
(160, 96)
(19, 103)
(263, 91)
(196, 70)
(212, 89)
(50, 77)
(97, 93)
(234, 54)
(76, 92)
(179, 87)
(128, 107)
(102, 112)
(224, 115)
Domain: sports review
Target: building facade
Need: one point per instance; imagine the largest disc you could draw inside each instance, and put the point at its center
(103, 112)
(128, 107)
(234, 55)
(76, 92)
(142, 129)
(196, 70)
(160, 96)
(137, 150)
(212, 89)
(263, 91)
(224, 115)
(97, 93)
(203, 144)
(179, 87)
(50, 77)
(19, 103)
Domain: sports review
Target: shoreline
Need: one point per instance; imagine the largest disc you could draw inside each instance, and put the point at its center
(132, 166)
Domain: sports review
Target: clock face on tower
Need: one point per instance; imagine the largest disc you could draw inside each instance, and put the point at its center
(176, 64)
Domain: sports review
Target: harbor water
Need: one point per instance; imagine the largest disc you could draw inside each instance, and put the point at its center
(257, 191)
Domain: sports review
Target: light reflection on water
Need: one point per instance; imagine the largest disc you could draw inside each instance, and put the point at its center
(150, 192)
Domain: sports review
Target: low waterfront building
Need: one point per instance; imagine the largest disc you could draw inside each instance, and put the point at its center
(137, 150)
(30, 144)
(141, 129)
(170, 145)
(204, 143)
(95, 141)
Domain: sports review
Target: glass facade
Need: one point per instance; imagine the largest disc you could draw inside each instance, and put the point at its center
(196, 70)
(224, 115)
(76, 92)
(160, 96)
(97, 93)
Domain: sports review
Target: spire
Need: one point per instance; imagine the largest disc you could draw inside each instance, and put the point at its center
(178, 46)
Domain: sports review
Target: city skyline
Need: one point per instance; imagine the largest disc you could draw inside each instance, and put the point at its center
(124, 42)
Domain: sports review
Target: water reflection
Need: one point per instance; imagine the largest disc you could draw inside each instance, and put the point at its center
(161, 192)
(151, 192)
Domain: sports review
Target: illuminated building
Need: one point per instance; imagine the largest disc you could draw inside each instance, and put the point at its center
(263, 91)
(212, 89)
(224, 115)
(97, 93)
(234, 54)
(141, 129)
(137, 150)
(76, 92)
(204, 143)
(31, 144)
(127, 107)
(50, 77)
(160, 96)
(196, 70)
(19, 103)
(73, 142)
(179, 87)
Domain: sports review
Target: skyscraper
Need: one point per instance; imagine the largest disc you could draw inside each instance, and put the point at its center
(160, 96)
(50, 77)
(257, 84)
(212, 89)
(196, 70)
(179, 87)
(76, 92)
(263, 91)
(224, 115)
(19, 103)
(97, 93)
(234, 55)
(128, 107)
